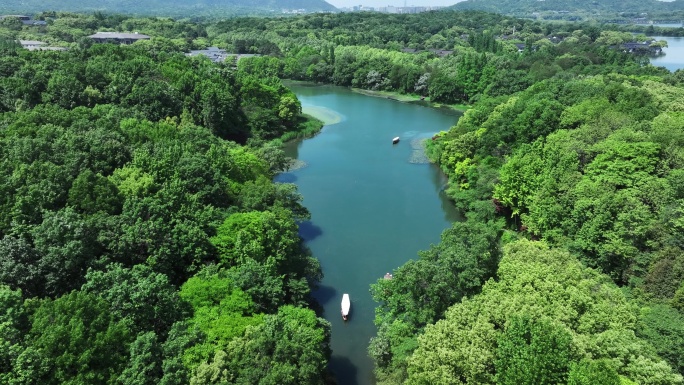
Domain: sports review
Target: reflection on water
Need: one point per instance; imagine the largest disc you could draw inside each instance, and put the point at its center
(673, 59)
(309, 231)
(667, 25)
(286, 177)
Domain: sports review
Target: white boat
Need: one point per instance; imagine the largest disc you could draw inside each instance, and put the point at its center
(395, 140)
(345, 306)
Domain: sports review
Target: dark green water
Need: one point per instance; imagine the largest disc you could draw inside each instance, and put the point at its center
(372, 209)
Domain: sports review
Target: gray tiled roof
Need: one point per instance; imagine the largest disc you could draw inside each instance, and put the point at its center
(34, 22)
(214, 53)
(31, 42)
(218, 55)
(41, 48)
(119, 35)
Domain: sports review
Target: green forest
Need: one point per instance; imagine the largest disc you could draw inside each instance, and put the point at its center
(580, 9)
(142, 240)
(141, 232)
(179, 8)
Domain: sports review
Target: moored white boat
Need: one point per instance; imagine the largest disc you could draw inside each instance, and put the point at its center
(395, 140)
(346, 304)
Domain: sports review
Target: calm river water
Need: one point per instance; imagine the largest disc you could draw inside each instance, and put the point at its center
(372, 206)
(674, 53)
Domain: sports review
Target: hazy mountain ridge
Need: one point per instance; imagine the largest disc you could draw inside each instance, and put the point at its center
(165, 7)
(517, 7)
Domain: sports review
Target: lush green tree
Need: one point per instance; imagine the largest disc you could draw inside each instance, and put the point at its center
(264, 123)
(533, 352)
(391, 349)
(133, 182)
(13, 322)
(65, 90)
(220, 311)
(289, 109)
(422, 290)
(588, 372)
(538, 283)
(266, 237)
(144, 366)
(67, 245)
(175, 362)
(12, 22)
(91, 193)
(663, 326)
(291, 347)
(155, 100)
(73, 339)
(458, 266)
(220, 111)
(262, 195)
(19, 266)
(443, 87)
(167, 231)
(142, 298)
(266, 288)
(269, 239)
(665, 275)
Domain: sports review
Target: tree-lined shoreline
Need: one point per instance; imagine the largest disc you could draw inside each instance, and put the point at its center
(140, 227)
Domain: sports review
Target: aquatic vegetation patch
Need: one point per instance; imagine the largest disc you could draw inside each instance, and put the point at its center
(326, 115)
(418, 151)
(295, 164)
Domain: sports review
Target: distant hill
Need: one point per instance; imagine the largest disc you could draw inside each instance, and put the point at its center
(167, 7)
(606, 7)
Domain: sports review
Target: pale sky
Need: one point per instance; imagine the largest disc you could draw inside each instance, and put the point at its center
(384, 3)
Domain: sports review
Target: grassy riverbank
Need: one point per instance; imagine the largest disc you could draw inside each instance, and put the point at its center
(411, 98)
(405, 98)
(308, 126)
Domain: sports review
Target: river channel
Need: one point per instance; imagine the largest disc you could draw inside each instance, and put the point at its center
(373, 205)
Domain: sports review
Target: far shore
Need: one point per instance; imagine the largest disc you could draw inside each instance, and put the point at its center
(405, 98)
(410, 98)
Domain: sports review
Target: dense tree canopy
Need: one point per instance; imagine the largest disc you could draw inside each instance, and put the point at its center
(173, 8)
(289, 347)
(545, 311)
(121, 168)
(142, 240)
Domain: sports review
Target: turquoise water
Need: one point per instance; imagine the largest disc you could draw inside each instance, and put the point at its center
(674, 53)
(373, 207)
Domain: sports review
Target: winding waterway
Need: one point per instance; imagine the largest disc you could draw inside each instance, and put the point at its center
(373, 206)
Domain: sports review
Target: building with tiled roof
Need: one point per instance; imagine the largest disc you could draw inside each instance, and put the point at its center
(118, 37)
